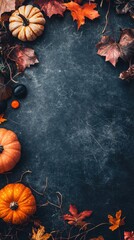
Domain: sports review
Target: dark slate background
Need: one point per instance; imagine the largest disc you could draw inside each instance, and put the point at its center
(76, 125)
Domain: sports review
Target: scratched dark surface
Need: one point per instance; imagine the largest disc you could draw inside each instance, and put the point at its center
(76, 125)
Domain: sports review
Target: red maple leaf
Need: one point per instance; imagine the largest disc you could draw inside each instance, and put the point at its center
(76, 218)
(129, 235)
(51, 7)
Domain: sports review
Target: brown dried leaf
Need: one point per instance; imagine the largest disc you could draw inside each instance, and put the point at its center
(6, 6)
(23, 57)
(51, 7)
(127, 44)
(128, 74)
(5, 90)
(125, 6)
(109, 49)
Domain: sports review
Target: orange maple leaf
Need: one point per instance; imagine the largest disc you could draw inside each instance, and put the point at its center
(117, 221)
(80, 12)
(76, 218)
(2, 119)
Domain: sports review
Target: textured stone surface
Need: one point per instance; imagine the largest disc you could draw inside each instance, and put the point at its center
(76, 125)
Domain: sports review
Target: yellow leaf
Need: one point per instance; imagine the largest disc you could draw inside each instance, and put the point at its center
(40, 234)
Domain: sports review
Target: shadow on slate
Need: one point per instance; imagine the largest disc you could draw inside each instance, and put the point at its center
(76, 125)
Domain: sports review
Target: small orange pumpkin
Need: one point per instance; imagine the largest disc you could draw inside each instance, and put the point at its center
(10, 150)
(17, 203)
(27, 23)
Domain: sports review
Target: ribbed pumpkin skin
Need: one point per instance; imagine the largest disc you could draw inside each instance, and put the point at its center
(35, 26)
(22, 195)
(11, 153)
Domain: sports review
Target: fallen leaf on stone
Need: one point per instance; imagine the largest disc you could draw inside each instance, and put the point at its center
(40, 234)
(51, 7)
(128, 74)
(129, 235)
(98, 238)
(2, 119)
(109, 49)
(112, 50)
(79, 13)
(116, 221)
(23, 57)
(76, 218)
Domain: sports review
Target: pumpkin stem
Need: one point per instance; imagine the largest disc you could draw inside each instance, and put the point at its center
(25, 20)
(1, 148)
(13, 205)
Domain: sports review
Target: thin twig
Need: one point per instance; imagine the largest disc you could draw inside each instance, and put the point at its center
(22, 175)
(106, 17)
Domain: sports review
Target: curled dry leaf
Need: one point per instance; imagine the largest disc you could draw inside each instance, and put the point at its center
(39, 234)
(112, 50)
(52, 7)
(23, 57)
(125, 6)
(2, 119)
(76, 218)
(128, 74)
(80, 12)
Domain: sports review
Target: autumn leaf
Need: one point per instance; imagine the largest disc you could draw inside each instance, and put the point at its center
(109, 49)
(116, 221)
(51, 7)
(40, 234)
(5, 90)
(126, 44)
(129, 235)
(125, 6)
(98, 238)
(6, 6)
(76, 218)
(112, 50)
(2, 119)
(80, 12)
(128, 74)
(23, 57)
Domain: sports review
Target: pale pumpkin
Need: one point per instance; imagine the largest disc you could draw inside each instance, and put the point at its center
(27, 23)
(10, 150)
(17, 203)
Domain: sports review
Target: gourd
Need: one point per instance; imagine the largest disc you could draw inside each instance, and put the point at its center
(17, 203)
(27, 23)
(10, 150)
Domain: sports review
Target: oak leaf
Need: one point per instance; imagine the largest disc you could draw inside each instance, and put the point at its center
(128, 74)
(51, 7)
(2, 119)
(116, 221)
(40, 234)
(76, 218)
(80, 12)
(23, 57)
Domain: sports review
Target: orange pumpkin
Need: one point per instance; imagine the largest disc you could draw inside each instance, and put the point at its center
(10, 150)
(17, 203)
